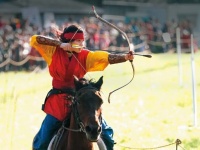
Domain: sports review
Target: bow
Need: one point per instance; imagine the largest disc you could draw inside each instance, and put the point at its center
(131, 47)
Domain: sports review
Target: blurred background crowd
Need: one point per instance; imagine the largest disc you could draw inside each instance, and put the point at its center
(148, 35)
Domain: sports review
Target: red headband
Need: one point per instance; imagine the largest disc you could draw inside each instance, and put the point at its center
(74, 36)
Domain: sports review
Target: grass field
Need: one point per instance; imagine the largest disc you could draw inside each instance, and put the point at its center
(152, 111)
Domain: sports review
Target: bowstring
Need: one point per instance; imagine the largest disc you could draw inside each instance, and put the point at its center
(76, 57)
(80, 62)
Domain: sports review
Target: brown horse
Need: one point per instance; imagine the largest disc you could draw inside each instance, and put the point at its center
(85, 121)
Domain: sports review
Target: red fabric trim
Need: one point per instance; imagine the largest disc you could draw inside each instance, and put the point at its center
(74, 36)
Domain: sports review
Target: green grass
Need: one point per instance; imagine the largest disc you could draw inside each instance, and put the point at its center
(152, 111)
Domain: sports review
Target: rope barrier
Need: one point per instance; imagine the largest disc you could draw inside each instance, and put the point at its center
(182, 147)
(177, 143)
(15, 63)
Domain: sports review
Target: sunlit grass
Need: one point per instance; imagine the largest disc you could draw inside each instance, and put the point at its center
(153, 110)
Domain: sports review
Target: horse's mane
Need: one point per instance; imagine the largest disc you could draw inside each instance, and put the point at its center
(83, 82)
(86, 82)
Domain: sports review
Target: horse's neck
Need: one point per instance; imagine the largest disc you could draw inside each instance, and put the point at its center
(78, 140)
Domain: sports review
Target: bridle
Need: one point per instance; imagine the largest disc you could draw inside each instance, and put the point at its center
(75, 103)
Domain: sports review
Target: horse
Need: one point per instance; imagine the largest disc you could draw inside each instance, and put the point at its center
(84, 127)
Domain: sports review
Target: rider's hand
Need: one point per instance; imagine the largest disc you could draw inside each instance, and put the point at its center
(66, 46)
(129, 56)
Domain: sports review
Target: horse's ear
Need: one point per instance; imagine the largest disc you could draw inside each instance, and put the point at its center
(99, 83)
(75, 78)
(76, 82)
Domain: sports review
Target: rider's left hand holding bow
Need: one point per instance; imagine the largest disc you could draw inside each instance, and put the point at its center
(129, 56)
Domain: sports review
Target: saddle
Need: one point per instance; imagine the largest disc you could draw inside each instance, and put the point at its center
(53, 145)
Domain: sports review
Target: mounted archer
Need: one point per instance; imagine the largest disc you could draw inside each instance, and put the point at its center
(66, 57)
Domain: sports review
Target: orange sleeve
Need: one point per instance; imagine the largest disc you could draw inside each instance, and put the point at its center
(97, 61)
(45, 51)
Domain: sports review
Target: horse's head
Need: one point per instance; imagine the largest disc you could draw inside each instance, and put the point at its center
(87, 109)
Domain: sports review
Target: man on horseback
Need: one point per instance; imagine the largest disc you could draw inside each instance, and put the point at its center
(66, 57)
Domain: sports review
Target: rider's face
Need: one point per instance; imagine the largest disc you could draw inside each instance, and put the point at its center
(77, 45)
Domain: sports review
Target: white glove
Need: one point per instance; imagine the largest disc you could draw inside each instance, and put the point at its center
(65, 46)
